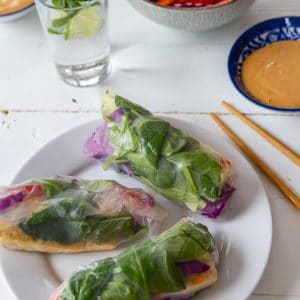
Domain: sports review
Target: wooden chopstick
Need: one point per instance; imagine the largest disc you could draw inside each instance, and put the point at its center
(277, 181)
(267, 136)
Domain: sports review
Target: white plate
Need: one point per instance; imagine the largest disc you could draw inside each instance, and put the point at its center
(243, 236)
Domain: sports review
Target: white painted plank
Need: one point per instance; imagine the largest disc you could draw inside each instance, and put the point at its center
(276, 4)
(165, 69)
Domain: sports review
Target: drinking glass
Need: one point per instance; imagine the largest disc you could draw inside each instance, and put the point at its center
(77, 34)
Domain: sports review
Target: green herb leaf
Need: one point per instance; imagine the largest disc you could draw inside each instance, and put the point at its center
(187, 241)
(61, 231)
(90, 282)
(123, 137)
(126, 104)
(52, 186)
(120, 288)
(105, 230)
(203, 172)
(175, 141)
(161, 177)
(62, 222)
(152, 133)
(151, 267)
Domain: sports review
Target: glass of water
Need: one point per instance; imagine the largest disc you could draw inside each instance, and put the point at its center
(77, 34)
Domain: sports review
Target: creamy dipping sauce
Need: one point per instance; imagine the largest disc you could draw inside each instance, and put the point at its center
(9, 6)
(272, 74)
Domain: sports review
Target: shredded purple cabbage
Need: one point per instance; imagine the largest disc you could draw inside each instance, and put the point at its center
(150, 200)
(192, 267)
(97, 145)
(214, 209)
(125, 169)
(10, 200)
(117, 115)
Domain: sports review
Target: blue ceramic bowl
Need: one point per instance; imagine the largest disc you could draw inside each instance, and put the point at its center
(256, 37)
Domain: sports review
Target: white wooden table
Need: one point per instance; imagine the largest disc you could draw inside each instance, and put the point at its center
(170, 72)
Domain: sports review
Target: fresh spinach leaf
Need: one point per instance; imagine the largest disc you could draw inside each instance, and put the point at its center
(122, 137)
(186, 241)
(62, 222)
(126, 104)
(161, 177)
(90, 282)
(152, 133)
(120, 288)
(68, 221)
(174, 142)
(205, 172)
(166, 274)
(61, 231)
(151, 267)
(105, 230)
(205, 185)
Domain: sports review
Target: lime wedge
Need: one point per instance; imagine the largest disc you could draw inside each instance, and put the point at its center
(86, 22)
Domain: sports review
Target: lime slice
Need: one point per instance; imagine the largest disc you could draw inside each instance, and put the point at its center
(57, 14)
(85, 23)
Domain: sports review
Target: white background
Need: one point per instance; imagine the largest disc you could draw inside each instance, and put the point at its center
(174, 73)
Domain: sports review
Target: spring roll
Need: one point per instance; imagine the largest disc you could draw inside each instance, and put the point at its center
(71, 215)
(135, 142)
(173, 265)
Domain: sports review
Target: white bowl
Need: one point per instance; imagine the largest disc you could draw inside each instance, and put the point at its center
(16, 14)
(192, 19)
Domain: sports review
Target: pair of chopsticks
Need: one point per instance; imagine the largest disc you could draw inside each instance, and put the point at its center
(277, 181)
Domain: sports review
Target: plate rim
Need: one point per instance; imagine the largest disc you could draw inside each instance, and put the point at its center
(75, 128)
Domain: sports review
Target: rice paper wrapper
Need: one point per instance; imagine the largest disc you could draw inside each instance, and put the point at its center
(68, 210)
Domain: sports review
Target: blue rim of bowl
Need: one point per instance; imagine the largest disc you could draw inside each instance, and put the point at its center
(18, 11)
(231, 75)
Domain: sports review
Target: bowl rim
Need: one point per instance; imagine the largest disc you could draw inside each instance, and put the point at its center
(209, 7)
(232, 76)
(18, 11)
